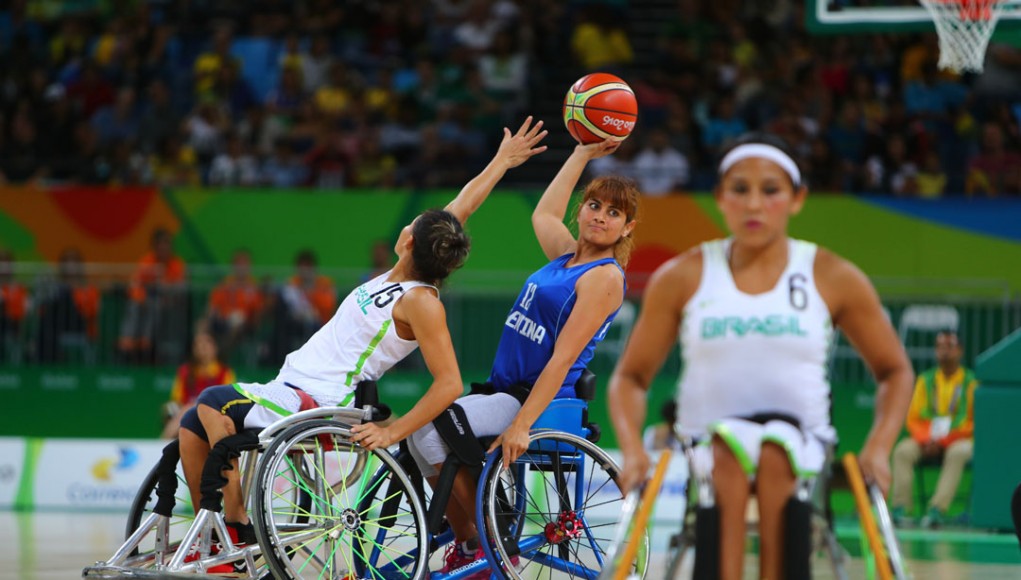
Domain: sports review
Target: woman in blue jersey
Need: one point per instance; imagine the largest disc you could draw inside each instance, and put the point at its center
(378, 324)
(755, 313)
(551, 332)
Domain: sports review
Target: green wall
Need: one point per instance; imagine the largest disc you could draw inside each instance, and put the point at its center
(341, 227)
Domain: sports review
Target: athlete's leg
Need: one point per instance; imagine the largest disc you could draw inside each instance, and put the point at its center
(194, 452)
(218, 426)
(487, 415)
(957, 455)
(460, 517)
(429, 451)
(731, 484)
(774, 486)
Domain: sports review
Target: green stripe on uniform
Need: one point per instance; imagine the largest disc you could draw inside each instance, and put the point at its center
(264, 402)
(732, 441)
(786, 446)
(368, 352)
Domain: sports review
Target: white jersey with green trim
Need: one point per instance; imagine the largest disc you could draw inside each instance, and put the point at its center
(359, 343)
(746, 354)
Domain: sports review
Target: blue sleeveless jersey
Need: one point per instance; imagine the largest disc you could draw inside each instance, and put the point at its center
(532, 327)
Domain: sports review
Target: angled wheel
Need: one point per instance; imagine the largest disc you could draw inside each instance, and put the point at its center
(364, 519)
(553, 512)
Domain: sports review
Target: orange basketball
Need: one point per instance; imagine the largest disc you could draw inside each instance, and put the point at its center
(600, 106)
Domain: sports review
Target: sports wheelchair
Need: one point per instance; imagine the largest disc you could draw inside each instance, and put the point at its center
(694, 551)
(323, 507)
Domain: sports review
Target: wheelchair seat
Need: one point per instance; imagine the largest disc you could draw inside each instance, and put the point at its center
(814, 491)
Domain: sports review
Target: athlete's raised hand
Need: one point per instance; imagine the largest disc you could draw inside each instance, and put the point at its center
(519, 147)
(514, 150)
(598, 149)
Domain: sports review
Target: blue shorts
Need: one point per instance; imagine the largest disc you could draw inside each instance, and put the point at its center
(224, 398)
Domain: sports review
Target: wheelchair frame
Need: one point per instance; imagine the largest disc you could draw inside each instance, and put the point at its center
(167, 557)
(564, 454)
(815, 490)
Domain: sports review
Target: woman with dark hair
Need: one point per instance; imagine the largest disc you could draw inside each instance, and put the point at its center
(755, 314)
(551, 332)
(377, 325)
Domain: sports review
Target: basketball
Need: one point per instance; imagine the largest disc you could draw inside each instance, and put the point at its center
(600, 106)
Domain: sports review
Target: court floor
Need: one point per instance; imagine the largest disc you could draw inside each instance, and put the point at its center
(57, 545)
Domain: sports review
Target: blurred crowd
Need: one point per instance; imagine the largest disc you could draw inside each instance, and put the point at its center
(150, 315)
(413, 93)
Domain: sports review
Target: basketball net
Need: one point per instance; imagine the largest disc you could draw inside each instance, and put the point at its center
(964, 28)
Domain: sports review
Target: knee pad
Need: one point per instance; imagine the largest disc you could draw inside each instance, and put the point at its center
(220, 457)
(166, 482)
(190, 421)
(453, 427)
(707, 543)
(797, 548)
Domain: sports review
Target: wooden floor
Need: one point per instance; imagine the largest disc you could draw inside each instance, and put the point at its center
(56, 546)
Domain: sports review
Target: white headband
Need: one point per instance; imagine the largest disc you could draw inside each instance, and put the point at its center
(763, 151)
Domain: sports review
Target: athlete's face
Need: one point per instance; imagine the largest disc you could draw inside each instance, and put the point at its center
(403, 246)
(602, 223)
(757, 199)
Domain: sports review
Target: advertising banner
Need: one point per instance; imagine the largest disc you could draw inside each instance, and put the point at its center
(91, 474)
(12, 457)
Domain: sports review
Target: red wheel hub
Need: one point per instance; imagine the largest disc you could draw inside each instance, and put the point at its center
(568, 526)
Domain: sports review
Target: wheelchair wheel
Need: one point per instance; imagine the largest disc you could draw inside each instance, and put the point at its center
(142, 506)
(553, 512)
(364, 519)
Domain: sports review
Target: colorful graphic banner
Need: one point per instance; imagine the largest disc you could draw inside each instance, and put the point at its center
(905, 238)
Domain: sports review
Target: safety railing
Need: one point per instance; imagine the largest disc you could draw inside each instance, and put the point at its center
(57, 320)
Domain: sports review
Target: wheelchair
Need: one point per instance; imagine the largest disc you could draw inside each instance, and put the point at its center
(813, 493)
(323, 507)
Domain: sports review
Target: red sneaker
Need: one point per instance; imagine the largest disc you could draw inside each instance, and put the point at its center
(218, 569)
(454, 557)
(241, 535)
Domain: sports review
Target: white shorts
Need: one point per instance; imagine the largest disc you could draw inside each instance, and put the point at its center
(270, 398)
(806, 452)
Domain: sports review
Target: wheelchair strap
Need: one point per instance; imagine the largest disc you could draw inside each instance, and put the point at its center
(519, 391)
(166, 480)
(307, 402)
(220, 457)
(452, 426)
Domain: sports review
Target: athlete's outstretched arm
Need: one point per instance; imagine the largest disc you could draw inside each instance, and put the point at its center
(650, 341)
(428, 320)
(600, 291)
(859, 314)
(514, 150)
(548, 217)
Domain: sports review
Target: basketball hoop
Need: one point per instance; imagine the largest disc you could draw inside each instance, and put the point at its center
(964, 28)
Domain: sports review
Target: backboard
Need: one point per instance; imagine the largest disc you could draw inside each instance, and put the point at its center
(867, 16)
